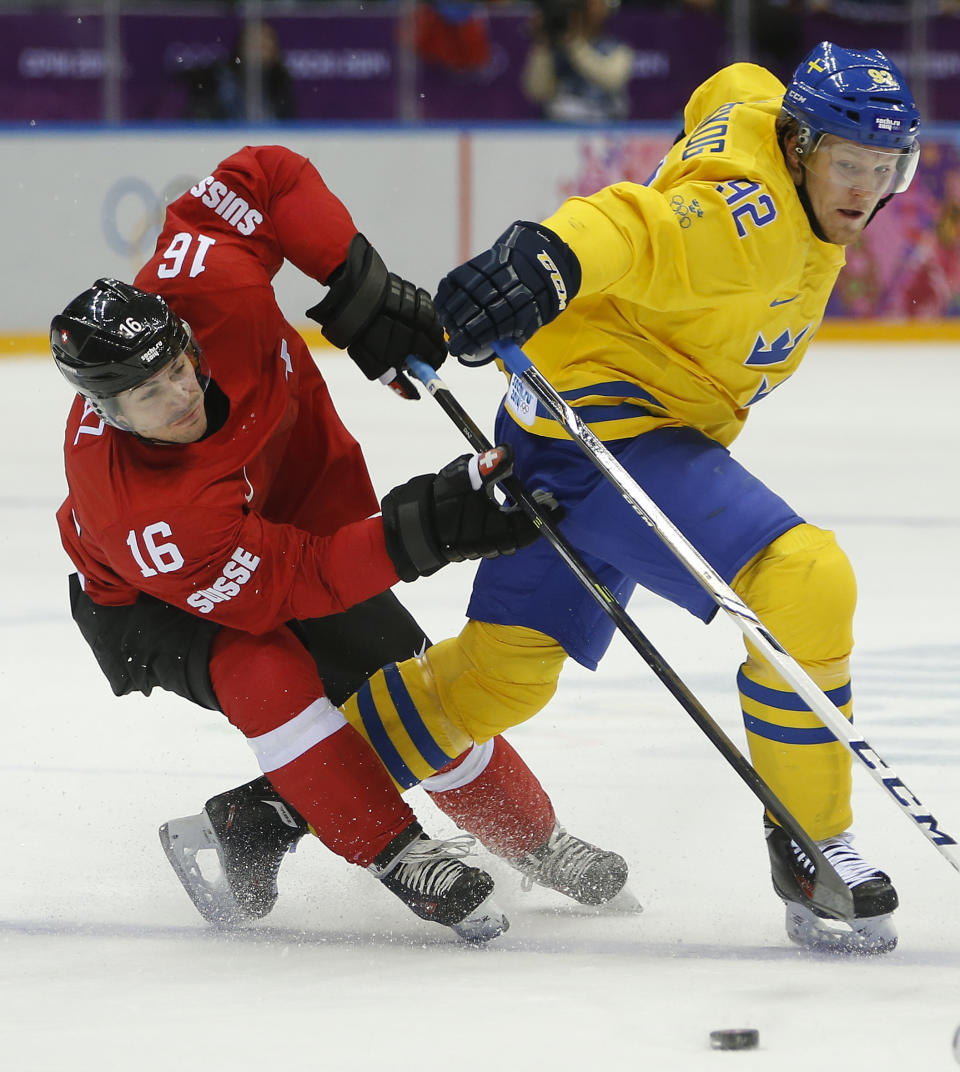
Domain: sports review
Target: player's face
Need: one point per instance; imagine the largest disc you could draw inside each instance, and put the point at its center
(167, 408)
(844, 183)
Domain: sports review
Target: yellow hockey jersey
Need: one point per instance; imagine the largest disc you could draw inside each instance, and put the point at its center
(701, 291)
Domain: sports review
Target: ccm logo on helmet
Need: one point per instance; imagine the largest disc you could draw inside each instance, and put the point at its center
(228, 204)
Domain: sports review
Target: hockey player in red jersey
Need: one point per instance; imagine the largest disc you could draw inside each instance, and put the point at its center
(221, 521)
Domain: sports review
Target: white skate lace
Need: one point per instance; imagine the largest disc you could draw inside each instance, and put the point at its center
(847, 862)
(562, 860)
(429, 866)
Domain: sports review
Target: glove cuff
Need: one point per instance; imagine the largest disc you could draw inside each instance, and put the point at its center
(355, 295)
(413, 548)
(548, 255)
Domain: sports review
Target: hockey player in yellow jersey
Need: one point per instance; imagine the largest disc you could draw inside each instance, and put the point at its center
(664, 312)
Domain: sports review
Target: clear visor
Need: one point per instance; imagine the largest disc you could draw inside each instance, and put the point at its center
(858, 167)
(174, 388)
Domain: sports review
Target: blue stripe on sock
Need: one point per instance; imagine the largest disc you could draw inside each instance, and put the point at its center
(787, 701)
(380, 739)
(412, 722)
(787, 734)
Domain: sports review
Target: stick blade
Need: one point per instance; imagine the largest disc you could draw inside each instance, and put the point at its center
(831, 894)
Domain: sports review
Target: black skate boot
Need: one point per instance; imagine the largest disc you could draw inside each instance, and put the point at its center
(874, 899)
(433, 882)
(573, 867)
(248, 830)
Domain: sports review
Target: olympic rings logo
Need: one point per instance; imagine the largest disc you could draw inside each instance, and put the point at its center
(685, 212)
(133, 212)
(680, 209)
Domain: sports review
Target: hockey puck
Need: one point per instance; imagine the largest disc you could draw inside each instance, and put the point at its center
(735, 1038)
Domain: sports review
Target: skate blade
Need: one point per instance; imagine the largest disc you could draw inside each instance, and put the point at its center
(484, 923)
(182, 839)
(871, 936)
(624, 903)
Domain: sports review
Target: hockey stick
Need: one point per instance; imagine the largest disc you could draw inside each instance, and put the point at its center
(538, 387)
(830, 893)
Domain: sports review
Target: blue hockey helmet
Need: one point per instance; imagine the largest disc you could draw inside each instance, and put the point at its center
(858, 96)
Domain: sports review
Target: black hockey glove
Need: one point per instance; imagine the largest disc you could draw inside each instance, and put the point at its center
(451, 516)
(522, 282)
(379, 318)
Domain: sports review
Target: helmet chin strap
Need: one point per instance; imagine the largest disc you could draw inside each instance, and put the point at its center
(876, 208)
(807, 207)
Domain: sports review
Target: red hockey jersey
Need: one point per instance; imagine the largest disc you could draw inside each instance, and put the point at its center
(269, 517)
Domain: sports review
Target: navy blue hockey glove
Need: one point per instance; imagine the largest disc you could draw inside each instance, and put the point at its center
(451, 516)
(379, 318)
(522, 282)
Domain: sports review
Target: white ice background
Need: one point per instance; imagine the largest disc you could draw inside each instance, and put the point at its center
(104, 963)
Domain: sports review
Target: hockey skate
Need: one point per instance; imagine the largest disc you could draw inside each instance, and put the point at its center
(241, 837)
(588, 874)
(874, 899)
(431, 879)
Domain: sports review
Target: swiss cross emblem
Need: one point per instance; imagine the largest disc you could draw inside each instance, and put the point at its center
(64, 335)
(489, 460)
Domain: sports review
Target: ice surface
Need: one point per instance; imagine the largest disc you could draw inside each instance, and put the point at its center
(106, 964)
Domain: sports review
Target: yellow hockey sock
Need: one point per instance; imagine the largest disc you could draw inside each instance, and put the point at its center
(803, 589)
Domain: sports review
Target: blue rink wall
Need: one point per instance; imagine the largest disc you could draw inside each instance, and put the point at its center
(81, 202)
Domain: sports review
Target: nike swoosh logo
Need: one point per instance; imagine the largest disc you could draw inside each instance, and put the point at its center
(783, 301)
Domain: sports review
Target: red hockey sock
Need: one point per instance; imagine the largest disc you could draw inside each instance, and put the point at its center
(269, 688)
(340, 787)
(503, 804)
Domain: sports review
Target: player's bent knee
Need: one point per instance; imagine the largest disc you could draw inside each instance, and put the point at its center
(422, 713)
(262, 681)
(803, 588)
(492, 677)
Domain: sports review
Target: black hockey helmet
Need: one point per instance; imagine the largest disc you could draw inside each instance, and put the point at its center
(113, 337)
